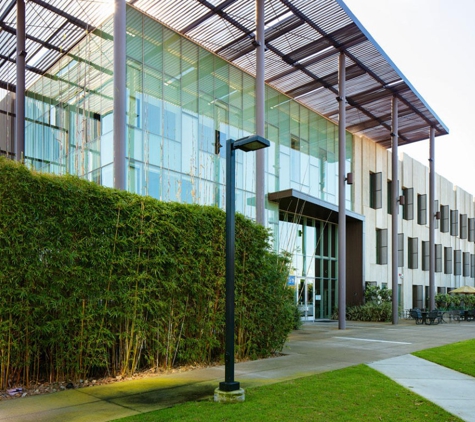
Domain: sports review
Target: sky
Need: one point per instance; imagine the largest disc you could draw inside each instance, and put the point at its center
(432, 42)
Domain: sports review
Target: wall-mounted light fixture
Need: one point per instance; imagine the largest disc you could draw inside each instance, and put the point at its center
(349, 178)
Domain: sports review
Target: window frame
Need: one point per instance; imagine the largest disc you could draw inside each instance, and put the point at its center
(425, 255)
(448, 257)
(376, 190)
(454, 222)
(463, 226)
(466, 264)
(408, 207)
(457, 262)
(438, 258)
(381, 246)
(413, 253)
(471, 230)
(422, 209)
(444, 219)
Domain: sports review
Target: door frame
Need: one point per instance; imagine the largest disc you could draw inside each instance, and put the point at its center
(306, 298)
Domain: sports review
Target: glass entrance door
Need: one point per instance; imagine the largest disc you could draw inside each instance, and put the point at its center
(314, 248)
(306, 299)
(326, 298)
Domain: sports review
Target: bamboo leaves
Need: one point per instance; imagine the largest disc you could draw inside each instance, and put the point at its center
(95, 281)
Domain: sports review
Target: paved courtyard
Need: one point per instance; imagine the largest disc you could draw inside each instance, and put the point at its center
(317, 347)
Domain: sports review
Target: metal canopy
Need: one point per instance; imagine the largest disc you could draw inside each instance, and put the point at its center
(299, 203)
(303, 40)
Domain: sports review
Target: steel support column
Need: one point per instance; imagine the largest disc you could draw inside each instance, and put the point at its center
(120, 85)
(341, 193)
(20, 81)
(260, 113)
(432, 212)
(395, 209)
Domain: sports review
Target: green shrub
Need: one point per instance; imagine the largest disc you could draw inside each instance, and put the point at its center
(96, 281)
(377, 307)
(370, 312)
(454, 301)
(376, 294)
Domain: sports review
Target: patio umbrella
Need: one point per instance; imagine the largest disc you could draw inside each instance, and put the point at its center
(465, 290)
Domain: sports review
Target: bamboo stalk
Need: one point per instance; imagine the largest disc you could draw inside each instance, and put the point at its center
(181, 330)
(81, 341)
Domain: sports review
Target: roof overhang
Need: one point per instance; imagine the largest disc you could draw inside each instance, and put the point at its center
(295, 202)
(303, 40)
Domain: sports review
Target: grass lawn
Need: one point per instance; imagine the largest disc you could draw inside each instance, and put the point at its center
(357, 393)
(457, 356)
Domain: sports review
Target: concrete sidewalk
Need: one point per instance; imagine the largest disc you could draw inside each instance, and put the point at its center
(449, 389)
(317, 347)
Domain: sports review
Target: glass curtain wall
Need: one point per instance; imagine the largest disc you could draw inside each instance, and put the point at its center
(182, 102)
(68, 126)
(306, 157)
(313, 245)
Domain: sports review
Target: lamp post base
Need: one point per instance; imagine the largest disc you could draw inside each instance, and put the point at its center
(234, 396)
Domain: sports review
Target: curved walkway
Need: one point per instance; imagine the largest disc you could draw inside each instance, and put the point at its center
(317, 347)
(449, 389)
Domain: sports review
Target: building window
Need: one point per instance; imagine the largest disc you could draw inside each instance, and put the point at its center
(376, 188)
(471, 229)
(412, 253)
(370, 284)
(438, 258)
(454, 222)
(400, 250)
(458, 262)
(444, 218)
(466, 264)
(448, 260)
(422, 210)
(463, 226)
(381, 246)
(425, 255)
(472, 265)
(390, 195)
(408, 208)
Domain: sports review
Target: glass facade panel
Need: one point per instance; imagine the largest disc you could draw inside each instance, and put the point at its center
(181, 101)
(69, 111)
(314, 248)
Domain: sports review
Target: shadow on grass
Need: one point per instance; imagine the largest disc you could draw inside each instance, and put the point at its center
(358, 393)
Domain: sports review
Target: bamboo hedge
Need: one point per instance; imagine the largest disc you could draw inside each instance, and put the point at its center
(96, 282)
